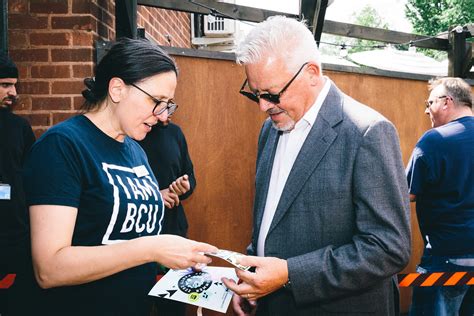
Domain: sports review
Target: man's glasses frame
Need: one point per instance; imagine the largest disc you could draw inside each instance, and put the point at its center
(429, 103)
(170, 105)
(273, 98)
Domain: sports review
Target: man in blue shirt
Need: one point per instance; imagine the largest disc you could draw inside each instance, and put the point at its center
(440, 177)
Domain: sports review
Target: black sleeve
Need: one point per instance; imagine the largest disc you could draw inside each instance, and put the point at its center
(186, 167)
(28, 140)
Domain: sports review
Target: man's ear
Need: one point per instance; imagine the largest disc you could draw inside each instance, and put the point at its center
(117, 89)
(314, 73)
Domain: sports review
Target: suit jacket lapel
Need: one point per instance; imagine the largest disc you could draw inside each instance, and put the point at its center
(316, 145)
(264, 172)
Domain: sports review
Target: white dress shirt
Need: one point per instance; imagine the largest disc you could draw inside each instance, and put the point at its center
(288, 147)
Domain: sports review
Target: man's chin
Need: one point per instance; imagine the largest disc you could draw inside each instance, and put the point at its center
(283, 126)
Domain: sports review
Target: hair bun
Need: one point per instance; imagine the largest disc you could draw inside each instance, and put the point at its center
(89, 93)
(89, 83)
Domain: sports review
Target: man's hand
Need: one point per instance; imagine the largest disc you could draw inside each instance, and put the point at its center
(169, 198)
(270, 275)
(180, 185)
(242, 306)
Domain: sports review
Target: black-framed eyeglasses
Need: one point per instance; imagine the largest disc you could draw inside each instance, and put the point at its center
(273, 98)
(170, 105)
(429, 103)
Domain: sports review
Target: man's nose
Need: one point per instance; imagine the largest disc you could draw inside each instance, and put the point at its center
(427, 110)
(265, 105)
(12, 90)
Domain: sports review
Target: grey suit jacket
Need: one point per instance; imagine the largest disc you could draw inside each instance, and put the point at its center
(342, 221)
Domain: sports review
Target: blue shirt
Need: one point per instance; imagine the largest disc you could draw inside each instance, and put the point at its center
(441, 175)
(117, 196)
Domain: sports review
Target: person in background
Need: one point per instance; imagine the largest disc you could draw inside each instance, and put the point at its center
(440, 177)
(95, 208)
(168, 156)
(331, 211)
(16, 138)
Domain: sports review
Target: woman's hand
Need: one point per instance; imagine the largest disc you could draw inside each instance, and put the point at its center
(176, 252)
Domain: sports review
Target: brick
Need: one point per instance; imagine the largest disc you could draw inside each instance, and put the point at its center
(60, 117)
(85, 22)
(48, 6)
(106, 18)
(22, 71)
(36, 119)
(77, 103)
(79, 54)
(33, 87)
(27, 22)
(102, 30)
(51, 71)
(81, 7)
(17, 6)
(38, 39)
(17, 39)
(67, 87)
(111, 34)
(39, 131)
(83, 38)
(50, 103)
(82, 71)
(36, 54)
(104, 4)
(23, 104)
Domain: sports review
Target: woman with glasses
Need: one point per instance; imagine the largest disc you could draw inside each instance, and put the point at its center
(95, 207)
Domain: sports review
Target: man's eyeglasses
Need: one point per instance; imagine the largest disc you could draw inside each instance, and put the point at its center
(273, 98)
(429, 103)
(170, 105)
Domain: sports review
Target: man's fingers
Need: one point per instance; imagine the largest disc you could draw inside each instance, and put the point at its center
(251, 261)
(239, 289)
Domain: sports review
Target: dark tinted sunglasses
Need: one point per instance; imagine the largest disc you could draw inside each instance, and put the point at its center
(270, 97)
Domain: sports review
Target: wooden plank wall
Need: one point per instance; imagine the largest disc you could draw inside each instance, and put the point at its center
(222, 128)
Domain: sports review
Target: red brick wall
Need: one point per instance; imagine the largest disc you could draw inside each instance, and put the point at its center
(168, 28)
(52, 43)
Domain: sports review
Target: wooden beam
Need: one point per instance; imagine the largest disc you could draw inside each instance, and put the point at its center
(308, 12)
(460, 55)
(4, 27)
(381, 35)
(237, 12)
(319, 19)
(126, 18)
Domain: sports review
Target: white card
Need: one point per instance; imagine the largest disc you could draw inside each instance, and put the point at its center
(5, 191)
(203, 288)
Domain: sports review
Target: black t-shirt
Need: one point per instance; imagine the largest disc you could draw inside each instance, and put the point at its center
(169, 159)
(16, 138)
(112, 186)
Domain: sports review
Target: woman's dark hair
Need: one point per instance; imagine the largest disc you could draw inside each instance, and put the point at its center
(131, 60)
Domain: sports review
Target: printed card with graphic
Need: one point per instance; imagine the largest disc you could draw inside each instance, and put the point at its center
(229, 256)
(201, 288)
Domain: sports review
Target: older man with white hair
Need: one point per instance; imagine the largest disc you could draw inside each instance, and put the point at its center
(331, 214)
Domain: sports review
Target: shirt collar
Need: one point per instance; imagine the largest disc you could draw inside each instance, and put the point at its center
(310, 116)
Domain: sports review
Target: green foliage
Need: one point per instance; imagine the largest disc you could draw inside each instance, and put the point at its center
(368, 16)
(430, 17)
